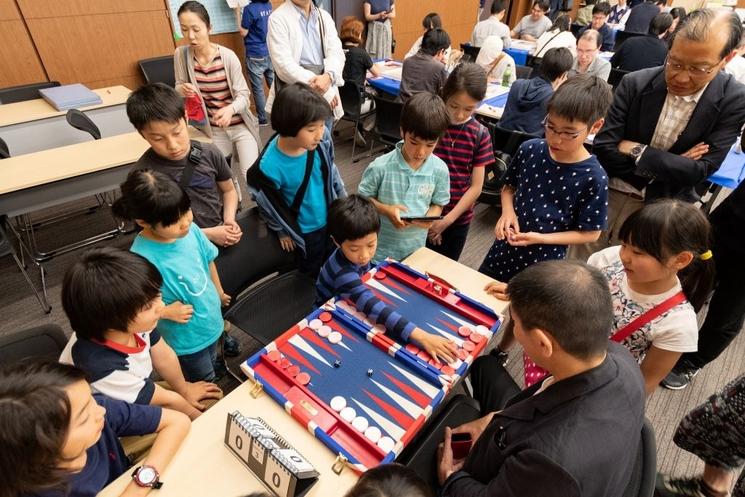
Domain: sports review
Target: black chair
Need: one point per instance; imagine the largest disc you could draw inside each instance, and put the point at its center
(576, 28)
(387, 121)
(351, 101)
(7, 248)
(508, 141)
(46, 341)
(523, 72)
(420, 454)
(269, 294)
(22, 93)
(469, 52)
(535, 63)
(4, 151)
(641, 483)
(615, 77)
(79, 120)
(158, 70)
(622, 36)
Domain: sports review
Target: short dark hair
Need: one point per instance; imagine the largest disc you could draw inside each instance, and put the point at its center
(431, 21)
(555, 62)
(424, 115)
(35, 416)
(497, 7)
(544, 5)
(466, 77)
(568, 299)
(152, 197)
(351, 218)
(389, 480)
(581, 98)
(195, 8)
(678, 12)
(668, 227)
(660, 23)
(106, 289)
(562, 23)
(697, 25)
(601, 8)
(434, 40)
(295, 107)
(591, 34)
(154, 102)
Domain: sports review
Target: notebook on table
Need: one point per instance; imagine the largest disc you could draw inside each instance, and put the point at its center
(68, 97)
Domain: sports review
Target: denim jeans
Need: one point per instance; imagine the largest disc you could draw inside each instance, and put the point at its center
(200, 365)
(260, 69)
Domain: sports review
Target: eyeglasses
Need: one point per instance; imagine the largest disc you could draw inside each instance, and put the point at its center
(693, 71)
(564, 135)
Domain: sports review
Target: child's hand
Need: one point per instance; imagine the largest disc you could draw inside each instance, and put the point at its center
(178, 312)
(199, 391)
(436, 346)
(435, 231)
(225, 299)
(393, 213)
(287, 244)
(497, 289)
(507, 222)
(224, 235)
(524, 239)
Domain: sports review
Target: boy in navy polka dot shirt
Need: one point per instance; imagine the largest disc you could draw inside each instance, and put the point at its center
(556, 192)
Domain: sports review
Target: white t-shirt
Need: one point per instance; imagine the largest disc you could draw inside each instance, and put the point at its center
(676, 330)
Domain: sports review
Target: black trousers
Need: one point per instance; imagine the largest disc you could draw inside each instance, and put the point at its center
(726, 311)
(318, 247)
(453, 241)
(492, 384)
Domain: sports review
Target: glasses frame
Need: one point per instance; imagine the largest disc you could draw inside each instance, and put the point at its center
(564, 135)
(693, 72)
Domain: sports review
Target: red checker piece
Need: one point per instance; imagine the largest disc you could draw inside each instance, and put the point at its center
(436, 363)
(476, 337)
(285, 363)
(412, 348)
(293, 371)
(303, 378)
(274, 355)
(447, 370)
(462, 354)
(465, 331)
(325, 316)
(380, 275)
(469, 346)
(423, 355)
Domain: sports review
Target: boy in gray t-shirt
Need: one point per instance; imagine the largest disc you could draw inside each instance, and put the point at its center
(532, 26)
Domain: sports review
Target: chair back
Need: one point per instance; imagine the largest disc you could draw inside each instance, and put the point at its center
(351, 101)
(622, 36)
(22, 93)
(576, 28)
(507, 140)
(388, 120)
(523, 72)
(642, 481)
(79, 120)
(469, 52)
(46, 341)
(158, 70)
(256, 256)
(615, 77)
(4, 151)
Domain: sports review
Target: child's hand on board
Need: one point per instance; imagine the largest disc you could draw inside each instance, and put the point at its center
(497, 289)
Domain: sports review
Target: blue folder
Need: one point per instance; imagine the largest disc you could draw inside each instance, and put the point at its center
(68, 97)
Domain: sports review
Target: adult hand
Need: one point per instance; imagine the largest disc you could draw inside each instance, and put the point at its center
(626, 146)
(223, 116)
(199, 391)
(506, 225)
(287, 244)
(436, 346)
(697, 151)
(178, 312)
(447, 464)
(497, 289)
(393, 213)
(321, 83)
(475, 428)
(525, 239)
(334, 102)
(188, 89)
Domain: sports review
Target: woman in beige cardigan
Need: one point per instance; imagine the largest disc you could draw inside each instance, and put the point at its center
(215, 74)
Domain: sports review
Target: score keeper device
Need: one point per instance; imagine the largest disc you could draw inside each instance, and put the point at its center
(281, 468)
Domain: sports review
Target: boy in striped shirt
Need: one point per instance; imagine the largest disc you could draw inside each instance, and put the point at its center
(353, 224)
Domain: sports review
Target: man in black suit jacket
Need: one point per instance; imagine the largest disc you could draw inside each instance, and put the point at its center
(576, 433)
(641, 14)
(642, 52)
(671, 127)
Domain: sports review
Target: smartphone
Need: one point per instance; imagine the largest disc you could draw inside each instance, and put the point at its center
(409, 219)
(461, 444)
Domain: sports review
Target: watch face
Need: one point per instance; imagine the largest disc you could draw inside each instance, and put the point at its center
(146, 475)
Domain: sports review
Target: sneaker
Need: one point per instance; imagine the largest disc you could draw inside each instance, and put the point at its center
(502, 356)
(667, 486)
(231, 347)
(678, 379)
(221, 370)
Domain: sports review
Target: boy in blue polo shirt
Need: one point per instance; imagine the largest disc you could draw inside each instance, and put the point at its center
(253, 29)
(409, 181)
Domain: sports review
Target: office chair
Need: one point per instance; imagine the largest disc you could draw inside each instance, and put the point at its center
(22, 93)
(351, 101)
(158, 70)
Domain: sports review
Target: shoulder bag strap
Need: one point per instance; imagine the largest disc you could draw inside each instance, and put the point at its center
(323, 33)
(653, 313)
(300, 195)
(195, 155)
(543, 48)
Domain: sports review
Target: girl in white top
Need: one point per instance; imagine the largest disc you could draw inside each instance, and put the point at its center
(494, 61)
(559, 35)
(665, 251)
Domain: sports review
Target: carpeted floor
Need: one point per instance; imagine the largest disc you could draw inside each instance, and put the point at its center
(19, 309)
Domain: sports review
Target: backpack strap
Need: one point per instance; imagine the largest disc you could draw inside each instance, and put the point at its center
(653, 313)
(195, 156)
(300, 194)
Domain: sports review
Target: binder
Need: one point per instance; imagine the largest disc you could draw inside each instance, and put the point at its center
(68, 97)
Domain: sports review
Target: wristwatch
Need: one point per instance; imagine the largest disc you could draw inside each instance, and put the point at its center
(147, 476)
(637, 151)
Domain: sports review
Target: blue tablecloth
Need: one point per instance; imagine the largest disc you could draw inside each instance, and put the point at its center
(498, 101)
(385, 84)
(732, 170)
(519, 55)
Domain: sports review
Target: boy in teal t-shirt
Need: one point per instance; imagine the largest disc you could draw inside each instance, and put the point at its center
(409, 181)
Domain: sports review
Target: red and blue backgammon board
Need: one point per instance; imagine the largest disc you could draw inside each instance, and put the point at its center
(359, 392)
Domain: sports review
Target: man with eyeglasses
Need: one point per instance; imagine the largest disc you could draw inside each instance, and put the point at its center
(671, 127)
(532, 26)
(587, 60)
(600, 14)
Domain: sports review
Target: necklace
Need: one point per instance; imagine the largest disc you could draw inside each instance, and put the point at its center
(453, 138)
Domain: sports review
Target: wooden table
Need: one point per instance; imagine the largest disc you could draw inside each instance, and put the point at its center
(204, 466)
